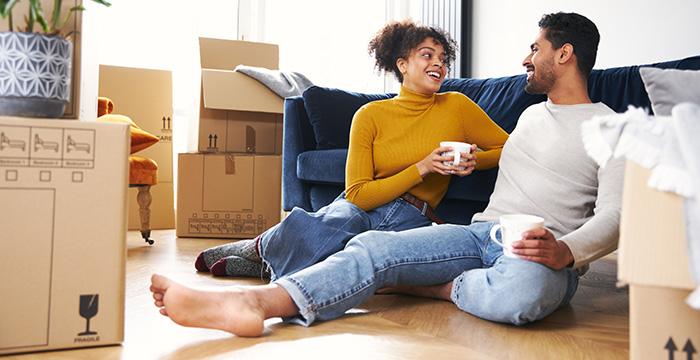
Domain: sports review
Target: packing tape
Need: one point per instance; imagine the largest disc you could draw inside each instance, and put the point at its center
(230, 164)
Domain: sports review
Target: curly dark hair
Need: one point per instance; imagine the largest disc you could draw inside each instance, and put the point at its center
(577, 30)
(396, 40)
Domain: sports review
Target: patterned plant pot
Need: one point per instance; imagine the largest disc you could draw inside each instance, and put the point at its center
(35, 74)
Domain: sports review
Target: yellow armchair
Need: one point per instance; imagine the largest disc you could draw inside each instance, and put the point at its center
(143, 172)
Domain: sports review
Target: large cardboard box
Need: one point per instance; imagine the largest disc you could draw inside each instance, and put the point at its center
(62, 243)
(145, 96)
(227, 195)
(653, 260)
(238, 113)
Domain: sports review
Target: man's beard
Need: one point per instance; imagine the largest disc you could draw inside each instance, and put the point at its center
(542, 83)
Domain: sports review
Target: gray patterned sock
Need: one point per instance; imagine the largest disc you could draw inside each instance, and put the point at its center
(241, 248)
(237, 266)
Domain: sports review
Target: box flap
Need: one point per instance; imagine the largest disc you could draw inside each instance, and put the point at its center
(226, 54)
(228, 90)
(653, 250)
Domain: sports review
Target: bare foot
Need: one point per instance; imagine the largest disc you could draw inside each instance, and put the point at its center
(231, 309)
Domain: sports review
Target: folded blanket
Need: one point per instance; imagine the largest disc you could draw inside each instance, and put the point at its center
(282, 83)
(667, 146)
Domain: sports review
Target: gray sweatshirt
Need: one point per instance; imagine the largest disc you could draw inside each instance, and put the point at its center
(545, 171)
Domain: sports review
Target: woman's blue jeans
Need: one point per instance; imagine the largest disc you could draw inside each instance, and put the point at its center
(485, 283)
(303, 238)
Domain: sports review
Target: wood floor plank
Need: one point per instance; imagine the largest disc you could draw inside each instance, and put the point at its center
(594, 326)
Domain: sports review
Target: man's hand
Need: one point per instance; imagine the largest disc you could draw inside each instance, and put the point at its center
(540, 246)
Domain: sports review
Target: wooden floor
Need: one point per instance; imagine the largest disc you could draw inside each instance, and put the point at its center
(595, 326)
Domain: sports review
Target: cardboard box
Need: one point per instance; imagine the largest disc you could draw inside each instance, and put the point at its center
(238, 113)
(146, 97)
(75, 26)
(653, 260)
(227, 195)
(62, 251)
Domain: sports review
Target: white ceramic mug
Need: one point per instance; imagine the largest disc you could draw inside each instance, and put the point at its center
(512, 228)
(457, 149)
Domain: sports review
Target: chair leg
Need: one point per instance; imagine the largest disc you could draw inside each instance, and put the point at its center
(144, 200)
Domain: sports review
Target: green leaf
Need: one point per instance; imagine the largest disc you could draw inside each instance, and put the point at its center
(39, 14)
(67, 18)
(35, 14)
(6, 7)
(56, 15)
(103, 2)
(30, 19)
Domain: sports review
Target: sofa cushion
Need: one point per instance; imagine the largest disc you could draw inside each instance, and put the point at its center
(330, 114)
(322, 166)
(670, 87)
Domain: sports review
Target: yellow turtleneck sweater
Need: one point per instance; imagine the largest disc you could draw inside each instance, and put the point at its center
(388, 137)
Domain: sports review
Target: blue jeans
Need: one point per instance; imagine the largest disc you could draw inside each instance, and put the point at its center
(486, 283)
(303, 239)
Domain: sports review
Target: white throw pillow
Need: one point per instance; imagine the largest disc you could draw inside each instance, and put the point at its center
(669, 87)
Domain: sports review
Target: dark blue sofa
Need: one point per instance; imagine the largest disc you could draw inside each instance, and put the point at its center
(317, 125)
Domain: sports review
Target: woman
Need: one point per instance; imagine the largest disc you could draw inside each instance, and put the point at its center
(391, 184)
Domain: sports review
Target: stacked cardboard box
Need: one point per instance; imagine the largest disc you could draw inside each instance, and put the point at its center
(145, 96)
(231, 188)
(62, 250)
(653, 260)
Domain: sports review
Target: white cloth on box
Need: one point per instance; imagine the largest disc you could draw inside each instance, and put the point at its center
(642, 142)
(669, 147)
(599, 143)
(671, 173)
(607, 137)
(282, 83)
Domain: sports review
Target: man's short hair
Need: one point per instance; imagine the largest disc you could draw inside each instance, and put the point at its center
(577, 30)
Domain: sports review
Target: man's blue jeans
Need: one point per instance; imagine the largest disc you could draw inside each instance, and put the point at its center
(486, 283)
(303, 238)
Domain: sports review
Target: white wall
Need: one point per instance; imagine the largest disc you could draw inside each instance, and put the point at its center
(633, 32)
(327, 40)
(329, 50)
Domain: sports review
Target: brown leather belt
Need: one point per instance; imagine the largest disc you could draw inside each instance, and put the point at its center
(423, 207)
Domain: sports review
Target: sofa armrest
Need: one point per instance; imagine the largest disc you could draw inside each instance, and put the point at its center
(298, 137)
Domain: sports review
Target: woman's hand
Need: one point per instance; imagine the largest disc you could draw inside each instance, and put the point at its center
(433, 163)
(467, 163)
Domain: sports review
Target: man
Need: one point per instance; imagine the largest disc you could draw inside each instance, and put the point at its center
(544, 171)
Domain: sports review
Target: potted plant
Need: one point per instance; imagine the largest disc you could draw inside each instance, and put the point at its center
(36, 60)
